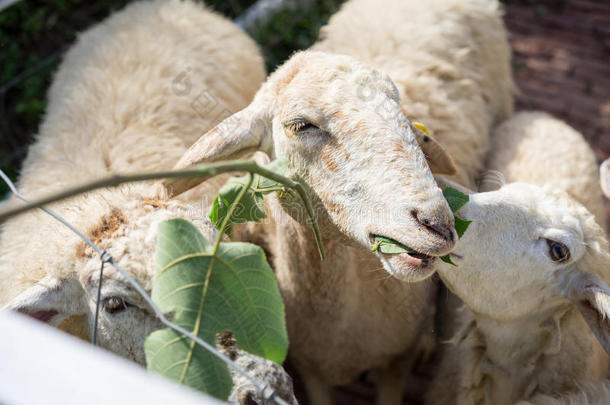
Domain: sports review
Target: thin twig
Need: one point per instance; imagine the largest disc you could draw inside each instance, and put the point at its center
(205, 171)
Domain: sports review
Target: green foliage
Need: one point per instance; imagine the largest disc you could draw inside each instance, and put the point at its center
(389, 246)
(461, 226)
(292, 29)
(455, 198)
(251, 207)
(225, 287)
(211, 289)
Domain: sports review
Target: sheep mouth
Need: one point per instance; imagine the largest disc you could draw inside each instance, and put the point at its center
(400, 252)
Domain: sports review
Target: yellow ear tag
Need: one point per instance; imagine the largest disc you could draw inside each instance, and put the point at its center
(421, 127)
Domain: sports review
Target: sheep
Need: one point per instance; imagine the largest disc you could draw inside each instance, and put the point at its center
(533, 268)
(344, 315)
(131, 94)
(534, 147)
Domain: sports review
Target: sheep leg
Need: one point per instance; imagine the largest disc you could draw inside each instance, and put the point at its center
(390, 380)
(318, 391)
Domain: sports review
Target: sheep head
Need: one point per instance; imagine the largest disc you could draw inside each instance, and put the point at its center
(127, 230)
(530, 250)
(340, 125)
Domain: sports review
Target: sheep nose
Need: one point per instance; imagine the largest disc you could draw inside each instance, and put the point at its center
(436, 221)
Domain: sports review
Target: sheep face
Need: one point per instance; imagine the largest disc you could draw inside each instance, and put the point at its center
(523, 245)
(125, 319)
(340, 125)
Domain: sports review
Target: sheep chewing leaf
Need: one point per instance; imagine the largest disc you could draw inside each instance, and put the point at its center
(232, 290)
(456, 200)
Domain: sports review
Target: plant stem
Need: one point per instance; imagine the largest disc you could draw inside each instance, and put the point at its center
(204, 171)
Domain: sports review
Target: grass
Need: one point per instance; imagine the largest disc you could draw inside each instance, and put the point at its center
(34, 34)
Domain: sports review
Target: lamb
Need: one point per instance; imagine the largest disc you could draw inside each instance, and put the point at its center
(538, 297)
(345, 315)
(536, 300)
(122, 101)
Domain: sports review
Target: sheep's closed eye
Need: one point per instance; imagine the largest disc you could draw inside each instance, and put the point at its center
(558, 251)
(301, 126)
(114, 304)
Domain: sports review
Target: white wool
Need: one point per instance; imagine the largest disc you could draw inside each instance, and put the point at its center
(534, 147)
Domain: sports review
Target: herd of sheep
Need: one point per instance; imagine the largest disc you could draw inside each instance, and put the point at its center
(137, 91)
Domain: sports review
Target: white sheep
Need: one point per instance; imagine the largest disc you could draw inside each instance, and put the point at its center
(533, 268)
(131, 94)
(337, 121)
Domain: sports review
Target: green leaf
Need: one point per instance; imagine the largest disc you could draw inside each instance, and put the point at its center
(251, 207)
(455, 198)
(389, 246)
(233, 290)
(447, 259)
(461, 226)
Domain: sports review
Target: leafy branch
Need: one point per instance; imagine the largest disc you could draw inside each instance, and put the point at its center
(204, 171)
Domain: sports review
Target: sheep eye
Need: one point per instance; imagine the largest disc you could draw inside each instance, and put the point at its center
(300, 126)
(112, 305)
(558, 251)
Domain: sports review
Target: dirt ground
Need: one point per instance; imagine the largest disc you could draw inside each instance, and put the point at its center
(561, 53)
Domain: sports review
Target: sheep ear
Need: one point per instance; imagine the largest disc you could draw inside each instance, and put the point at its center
(242, 133)
(592, 298)
(604, 172)
(490, 180)
(51, 300)
(438, 158)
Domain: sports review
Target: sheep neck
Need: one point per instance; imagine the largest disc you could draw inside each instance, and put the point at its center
(510, 351)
